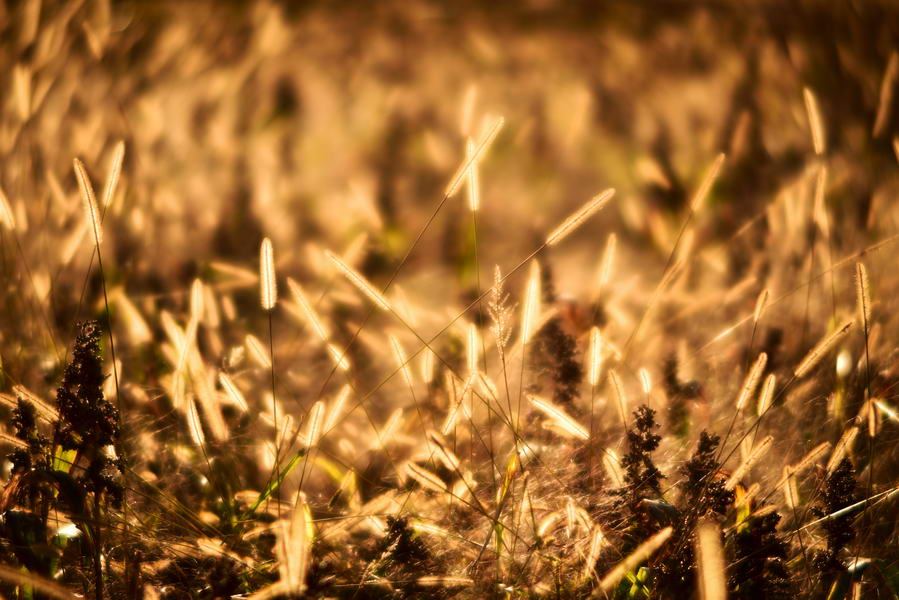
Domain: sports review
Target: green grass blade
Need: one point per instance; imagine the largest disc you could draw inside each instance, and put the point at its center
(274, 485)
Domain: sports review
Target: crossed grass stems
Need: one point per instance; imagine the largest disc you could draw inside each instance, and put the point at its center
(508, 421)
(668, 274)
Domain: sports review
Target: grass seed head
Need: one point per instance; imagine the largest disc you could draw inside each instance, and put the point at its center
(821, 349)
(89, 201)
(268, 285)
(579, 217)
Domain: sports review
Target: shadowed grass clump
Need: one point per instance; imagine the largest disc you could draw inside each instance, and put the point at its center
(69, 480)
(839, 492)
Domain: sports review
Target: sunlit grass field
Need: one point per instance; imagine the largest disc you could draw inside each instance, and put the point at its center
(439, 300)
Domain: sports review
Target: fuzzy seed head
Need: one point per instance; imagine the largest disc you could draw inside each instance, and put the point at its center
(472, 349)
(89, 200)
(760, 304)
(402, 361)
(268, 287)
(607, 265)
(115, 170)
(359, 281)
(579, 217)
(474, 157)
(752, 381)
(710, 562)
(821, 349)
(531, 311)
(766, 397)
(560, 418)
(863, 295)
(595, 356)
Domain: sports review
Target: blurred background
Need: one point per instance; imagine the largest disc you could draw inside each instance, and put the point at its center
(338, 125)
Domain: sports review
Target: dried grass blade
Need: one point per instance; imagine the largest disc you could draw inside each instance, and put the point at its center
(887, 410)
(444, 581)
(5, 438)
(814, 118)
(707, 182)
(38, 584)
(642, 552)
(620, 396)
(7, 219)
(339, 357)
(887, 89)
(760, 304)
(402, 361)
(474, 198)
(258, 351)
(820, 208)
